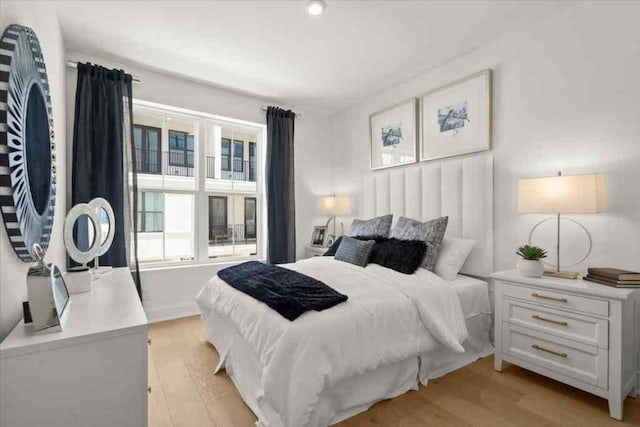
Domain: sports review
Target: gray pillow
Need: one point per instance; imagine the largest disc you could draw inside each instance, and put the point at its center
(355, 251)
(431, 232)
(374, 227)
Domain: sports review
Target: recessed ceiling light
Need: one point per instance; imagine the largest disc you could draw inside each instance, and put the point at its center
(316, 7)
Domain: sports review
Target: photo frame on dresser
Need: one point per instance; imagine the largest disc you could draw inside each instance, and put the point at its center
(455, 119)
(393, 135)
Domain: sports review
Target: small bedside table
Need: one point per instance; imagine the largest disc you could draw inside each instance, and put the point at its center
(577, 332)
(311, 251)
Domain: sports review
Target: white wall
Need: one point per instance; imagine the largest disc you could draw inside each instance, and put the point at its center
(173, 290)
(566, 97)
(42, 18)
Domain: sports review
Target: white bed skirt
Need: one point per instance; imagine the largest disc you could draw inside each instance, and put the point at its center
(352, 396)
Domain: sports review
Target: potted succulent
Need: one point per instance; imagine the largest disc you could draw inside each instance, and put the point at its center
(529, 264)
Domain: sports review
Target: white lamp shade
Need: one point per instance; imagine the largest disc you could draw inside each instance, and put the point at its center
(562, 194)
(335, 205)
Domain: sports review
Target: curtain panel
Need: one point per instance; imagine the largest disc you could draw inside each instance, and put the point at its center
(280, 183)
(103, 154)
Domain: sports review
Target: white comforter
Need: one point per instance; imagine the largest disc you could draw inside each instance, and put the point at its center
(388, 317)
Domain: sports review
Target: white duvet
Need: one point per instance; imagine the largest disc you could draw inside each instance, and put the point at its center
(388, 317)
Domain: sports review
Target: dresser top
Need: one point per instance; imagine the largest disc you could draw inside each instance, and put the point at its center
(111, 309)
(579, 286)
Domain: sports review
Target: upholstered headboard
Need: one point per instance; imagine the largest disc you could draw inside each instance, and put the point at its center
(460, 188)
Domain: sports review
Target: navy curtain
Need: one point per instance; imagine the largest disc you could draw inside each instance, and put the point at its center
(281, 210)
(102, 128)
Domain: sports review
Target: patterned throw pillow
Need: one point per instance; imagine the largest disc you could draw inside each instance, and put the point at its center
(355, 251)
(378, 226)
(431, 232)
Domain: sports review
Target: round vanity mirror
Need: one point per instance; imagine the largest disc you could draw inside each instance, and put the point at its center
(27, 149)
(107, 222)
(82, 233)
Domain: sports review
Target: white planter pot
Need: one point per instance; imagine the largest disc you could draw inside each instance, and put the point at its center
(530, 268)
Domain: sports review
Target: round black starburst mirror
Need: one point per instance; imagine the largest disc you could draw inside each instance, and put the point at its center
(27, 148)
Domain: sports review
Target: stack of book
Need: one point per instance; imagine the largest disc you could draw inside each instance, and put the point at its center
(614, 277)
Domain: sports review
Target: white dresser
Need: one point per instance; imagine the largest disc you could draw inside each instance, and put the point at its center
(577, 332)
(94, 373)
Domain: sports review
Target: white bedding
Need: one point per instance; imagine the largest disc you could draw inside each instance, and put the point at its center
(389, 317)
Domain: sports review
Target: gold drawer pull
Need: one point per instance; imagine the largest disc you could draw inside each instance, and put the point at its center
(557, 322)
(537, 347)
(537, 295)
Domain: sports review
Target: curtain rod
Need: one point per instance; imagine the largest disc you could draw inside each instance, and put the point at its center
(265, 107)
(74, 64)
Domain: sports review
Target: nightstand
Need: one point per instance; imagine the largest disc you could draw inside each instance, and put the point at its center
(311, 251)
(577, 332)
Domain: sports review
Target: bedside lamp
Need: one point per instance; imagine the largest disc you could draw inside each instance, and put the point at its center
(334, 206)
(562, 194)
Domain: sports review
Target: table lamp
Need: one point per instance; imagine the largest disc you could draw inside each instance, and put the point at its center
(334, 206)
(562, 194)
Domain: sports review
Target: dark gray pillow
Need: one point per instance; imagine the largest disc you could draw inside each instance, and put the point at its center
(355, 251)
(431, 232)
(378, 226)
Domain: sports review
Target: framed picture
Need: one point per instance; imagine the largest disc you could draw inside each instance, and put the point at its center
(456, 118)
(319, 235)
(393, 135)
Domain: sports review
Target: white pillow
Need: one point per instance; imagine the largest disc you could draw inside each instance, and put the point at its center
(453, 254)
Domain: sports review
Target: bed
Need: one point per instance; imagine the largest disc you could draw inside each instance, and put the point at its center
(394, 332)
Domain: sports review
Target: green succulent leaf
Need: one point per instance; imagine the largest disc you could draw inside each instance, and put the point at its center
(532, 253)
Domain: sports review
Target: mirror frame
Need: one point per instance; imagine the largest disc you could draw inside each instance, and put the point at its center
(24, 224)
(82, 257)
(97, 204)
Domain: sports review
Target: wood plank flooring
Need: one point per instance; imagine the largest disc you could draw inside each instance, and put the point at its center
(184, 392)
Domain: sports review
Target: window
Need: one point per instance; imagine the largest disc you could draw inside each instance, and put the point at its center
(252, 161)
(218, 220)
(148, 149)
(180, 149)
(189, 216)
(250, 217)
(238, 156)
(150, 212)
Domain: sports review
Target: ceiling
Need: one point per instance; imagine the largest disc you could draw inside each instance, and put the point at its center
(275, 50)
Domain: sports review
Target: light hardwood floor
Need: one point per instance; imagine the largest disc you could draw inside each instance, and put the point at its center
(184, 392)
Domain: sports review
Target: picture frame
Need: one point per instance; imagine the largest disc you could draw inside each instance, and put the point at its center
(319, 236)
(455, 119)
(393, 135)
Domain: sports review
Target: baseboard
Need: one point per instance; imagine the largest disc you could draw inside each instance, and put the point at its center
(169, 313)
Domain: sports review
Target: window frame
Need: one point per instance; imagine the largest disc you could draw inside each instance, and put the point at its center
(145, 148)
(204, 123)
(184, 152)
(143, 212)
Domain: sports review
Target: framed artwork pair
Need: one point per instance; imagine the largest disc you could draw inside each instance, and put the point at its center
(452, 120)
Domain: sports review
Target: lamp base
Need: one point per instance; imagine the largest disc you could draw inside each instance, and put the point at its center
(562, 274)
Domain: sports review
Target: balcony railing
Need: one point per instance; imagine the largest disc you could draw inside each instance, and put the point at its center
(179, 163)
(175, 163)
(220, 235)
(232, 168)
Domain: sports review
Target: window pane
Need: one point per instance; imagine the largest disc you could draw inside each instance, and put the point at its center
(153, 136)
(176, 140)
(232, 226)
(179, 226)
(238, 149)
(137, 136)
(190, 142)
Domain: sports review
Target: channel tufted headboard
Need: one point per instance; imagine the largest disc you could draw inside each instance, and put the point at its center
(459, 188)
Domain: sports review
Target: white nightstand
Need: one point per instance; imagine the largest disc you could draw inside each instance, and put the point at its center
(577, 332)
(311, 251)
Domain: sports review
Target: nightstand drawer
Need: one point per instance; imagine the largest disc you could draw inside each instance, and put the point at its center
(582, 362)
(558, 299)
(585, 329)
